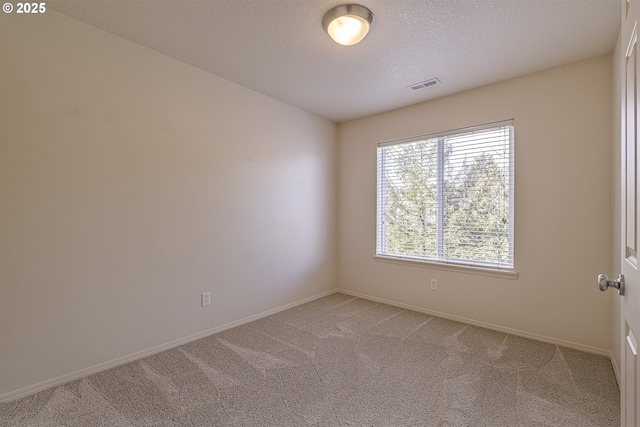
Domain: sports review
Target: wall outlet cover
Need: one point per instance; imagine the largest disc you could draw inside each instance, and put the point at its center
(205, 299)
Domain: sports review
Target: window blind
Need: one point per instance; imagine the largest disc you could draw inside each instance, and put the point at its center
(448, 197)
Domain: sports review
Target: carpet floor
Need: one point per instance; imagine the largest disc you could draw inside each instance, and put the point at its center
(340, 361)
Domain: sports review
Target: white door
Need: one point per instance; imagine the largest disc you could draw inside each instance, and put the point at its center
(630, 369)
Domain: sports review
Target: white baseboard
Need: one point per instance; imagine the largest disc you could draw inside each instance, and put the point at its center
(26, 391)
(537, 337)
(616, 370)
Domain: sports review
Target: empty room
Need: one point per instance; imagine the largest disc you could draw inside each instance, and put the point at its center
(311, 212)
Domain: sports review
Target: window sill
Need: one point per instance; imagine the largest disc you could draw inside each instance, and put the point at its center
(480, 271)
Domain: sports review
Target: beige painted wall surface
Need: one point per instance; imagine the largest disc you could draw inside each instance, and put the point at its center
(130, 183)
(563, 216)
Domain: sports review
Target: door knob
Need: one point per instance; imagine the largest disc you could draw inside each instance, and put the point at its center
(604, 283)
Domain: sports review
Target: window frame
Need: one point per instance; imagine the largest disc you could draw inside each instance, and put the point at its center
(464, 266)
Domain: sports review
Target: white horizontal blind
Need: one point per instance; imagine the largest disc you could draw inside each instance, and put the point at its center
(448, 197)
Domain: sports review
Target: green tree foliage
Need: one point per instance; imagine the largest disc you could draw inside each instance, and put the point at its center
(476, 225)
(410, 200)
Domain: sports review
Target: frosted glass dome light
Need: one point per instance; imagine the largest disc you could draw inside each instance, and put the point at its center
(348, 24)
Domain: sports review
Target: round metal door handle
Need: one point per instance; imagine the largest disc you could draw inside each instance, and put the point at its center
(604, 283)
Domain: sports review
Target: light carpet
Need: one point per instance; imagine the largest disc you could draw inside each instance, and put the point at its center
(340, 361)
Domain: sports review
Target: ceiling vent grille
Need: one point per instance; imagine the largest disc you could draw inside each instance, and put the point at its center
(423, 85)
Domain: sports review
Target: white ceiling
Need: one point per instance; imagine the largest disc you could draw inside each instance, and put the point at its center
(278, 47)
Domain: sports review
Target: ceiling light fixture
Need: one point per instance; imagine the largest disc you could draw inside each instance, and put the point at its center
(348, 24)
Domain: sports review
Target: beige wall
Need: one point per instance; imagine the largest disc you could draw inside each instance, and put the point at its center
(129, 184)
(563, 215)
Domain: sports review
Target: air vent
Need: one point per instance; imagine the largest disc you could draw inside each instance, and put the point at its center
(425, 84)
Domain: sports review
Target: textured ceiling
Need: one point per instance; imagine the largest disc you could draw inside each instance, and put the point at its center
(278, 47)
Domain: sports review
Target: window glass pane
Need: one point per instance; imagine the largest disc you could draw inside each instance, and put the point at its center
(409, 218)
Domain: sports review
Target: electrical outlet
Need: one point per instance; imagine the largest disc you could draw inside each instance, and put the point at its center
(205, 299)
(434, 285)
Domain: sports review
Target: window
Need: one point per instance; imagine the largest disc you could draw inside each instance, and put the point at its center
(448, 197)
